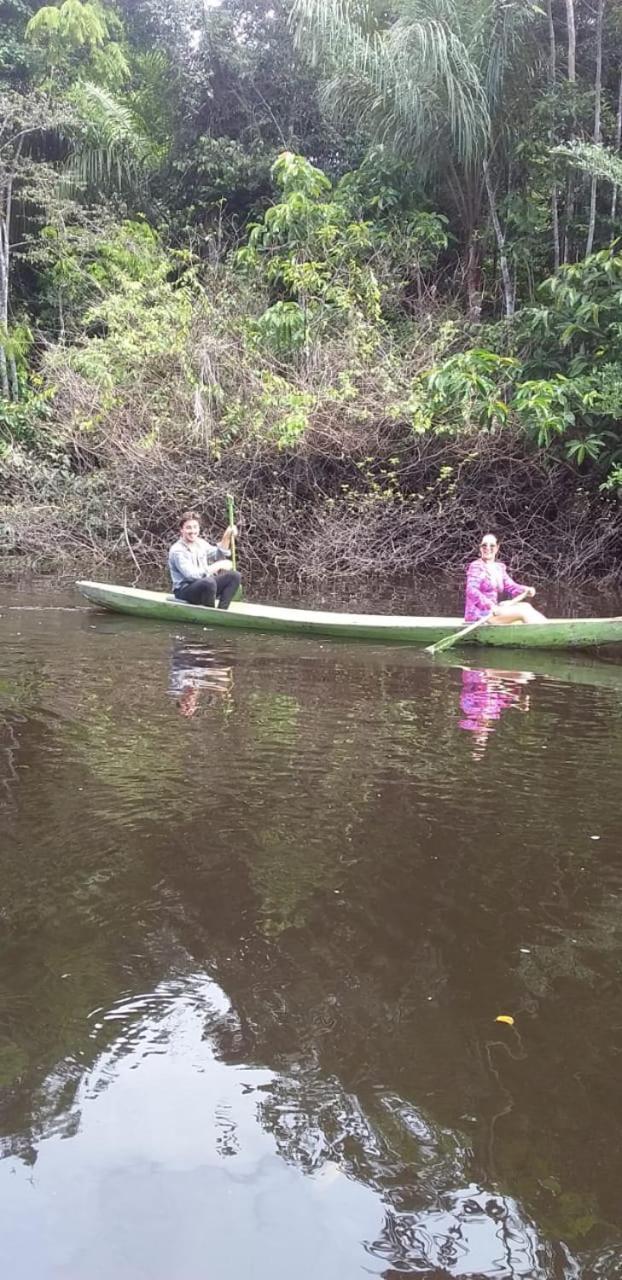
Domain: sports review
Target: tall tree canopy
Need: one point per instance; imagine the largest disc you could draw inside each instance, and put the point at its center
(446, 168)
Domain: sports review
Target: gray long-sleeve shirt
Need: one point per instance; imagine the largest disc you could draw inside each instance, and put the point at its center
(186, 564)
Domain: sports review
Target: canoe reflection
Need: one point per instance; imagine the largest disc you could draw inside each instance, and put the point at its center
(198, 674)
(486, 694)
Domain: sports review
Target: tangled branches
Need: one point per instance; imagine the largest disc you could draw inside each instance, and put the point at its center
(389, 503)
(328, 475)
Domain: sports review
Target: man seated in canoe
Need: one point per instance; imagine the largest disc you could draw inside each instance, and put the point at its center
(487, 579)
(201, 572)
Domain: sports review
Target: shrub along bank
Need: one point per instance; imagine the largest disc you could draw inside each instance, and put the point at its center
(355, 434)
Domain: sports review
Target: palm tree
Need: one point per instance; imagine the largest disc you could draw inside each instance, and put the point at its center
(429, 84)
(24, 180)
(86, 139)
(82, 65)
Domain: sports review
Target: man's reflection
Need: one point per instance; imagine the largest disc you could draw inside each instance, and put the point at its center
(485, 695)
(198, 674)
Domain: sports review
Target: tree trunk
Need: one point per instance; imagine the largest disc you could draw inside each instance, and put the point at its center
(552, 83)
(4, 272)
(13, 379)
(474, 279)
(572, 42)
(8, 371)
(555, 228)
(465, 187)
(572, 77)
(598, 84)
(508, 290)
(4, 298)
(614, 197)
(4, 377)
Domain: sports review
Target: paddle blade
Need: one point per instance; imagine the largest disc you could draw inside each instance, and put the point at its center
(448, 641)
(440, 646)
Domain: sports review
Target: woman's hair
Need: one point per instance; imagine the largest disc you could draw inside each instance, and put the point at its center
(188, 515)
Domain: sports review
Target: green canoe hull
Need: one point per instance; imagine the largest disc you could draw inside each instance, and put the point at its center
(572, 633)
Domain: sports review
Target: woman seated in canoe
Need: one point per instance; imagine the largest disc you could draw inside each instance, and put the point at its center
(200, 572)
(487, 580)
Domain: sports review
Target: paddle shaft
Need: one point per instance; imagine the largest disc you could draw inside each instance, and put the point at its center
(449, 641)
(230, 522)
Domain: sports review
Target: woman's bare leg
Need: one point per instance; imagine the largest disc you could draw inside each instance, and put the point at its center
(509, 612)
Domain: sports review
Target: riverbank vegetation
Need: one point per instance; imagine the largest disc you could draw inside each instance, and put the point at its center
(357, 266)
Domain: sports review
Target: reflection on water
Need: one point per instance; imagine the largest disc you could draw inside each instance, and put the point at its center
(471, 1231)
(484, 698)
(251, 960)
(198, 674)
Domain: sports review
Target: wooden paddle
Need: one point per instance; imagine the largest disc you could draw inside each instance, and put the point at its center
(230, 521)
(448, 641)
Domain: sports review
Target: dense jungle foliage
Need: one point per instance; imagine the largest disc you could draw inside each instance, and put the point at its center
(357, 265)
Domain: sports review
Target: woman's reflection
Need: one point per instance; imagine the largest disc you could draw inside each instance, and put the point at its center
(198, 674)
(485, 695)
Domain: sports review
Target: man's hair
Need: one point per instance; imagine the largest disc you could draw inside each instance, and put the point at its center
(188, 515)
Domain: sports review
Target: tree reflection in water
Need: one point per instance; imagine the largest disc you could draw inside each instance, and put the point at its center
(323, 854)
(469, 1232)
(186, 1041)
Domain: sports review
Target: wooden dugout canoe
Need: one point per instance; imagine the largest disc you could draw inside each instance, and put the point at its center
(558, 633)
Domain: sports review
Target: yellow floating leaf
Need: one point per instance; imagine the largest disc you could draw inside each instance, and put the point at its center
(505, 1017)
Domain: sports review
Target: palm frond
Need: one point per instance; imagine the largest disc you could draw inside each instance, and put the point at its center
(152, 102)
(498, 40)
(593, 159)
(430, 11)
(435, 79)
(324, 27)
(111, 146)
(403, 84)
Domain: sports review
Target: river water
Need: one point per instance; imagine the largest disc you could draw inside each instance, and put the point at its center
(263, 901)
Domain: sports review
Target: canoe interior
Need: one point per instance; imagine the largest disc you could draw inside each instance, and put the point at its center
(573, 633)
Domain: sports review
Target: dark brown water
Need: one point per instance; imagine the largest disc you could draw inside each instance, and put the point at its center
(262, 902)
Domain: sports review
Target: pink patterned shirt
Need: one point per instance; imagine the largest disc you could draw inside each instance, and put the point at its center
(484, 584)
